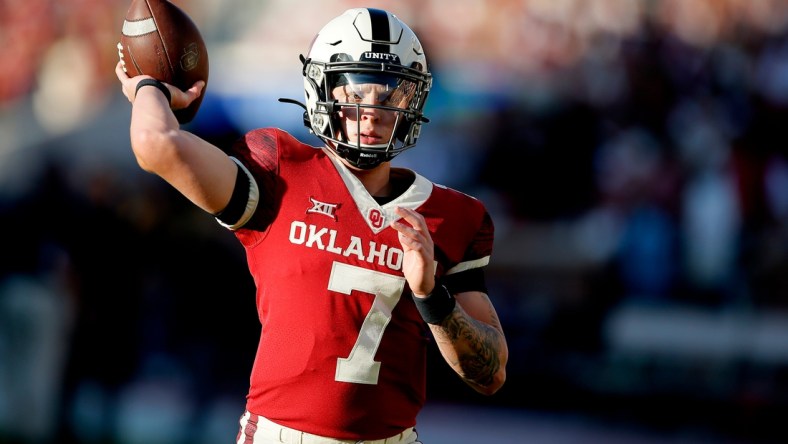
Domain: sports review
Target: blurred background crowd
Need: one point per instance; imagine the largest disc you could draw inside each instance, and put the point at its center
(631, 152)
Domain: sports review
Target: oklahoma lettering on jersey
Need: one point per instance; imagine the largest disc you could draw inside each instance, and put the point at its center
(325, 239)
(342, 350)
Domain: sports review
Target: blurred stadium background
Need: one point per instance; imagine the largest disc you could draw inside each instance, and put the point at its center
(632, 153)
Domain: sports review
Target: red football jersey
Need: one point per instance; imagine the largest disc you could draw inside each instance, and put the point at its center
(342, 351)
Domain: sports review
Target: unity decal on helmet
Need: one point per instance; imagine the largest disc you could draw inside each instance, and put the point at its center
(385, 57)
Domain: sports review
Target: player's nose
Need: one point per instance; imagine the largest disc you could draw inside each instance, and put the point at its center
(369, 113)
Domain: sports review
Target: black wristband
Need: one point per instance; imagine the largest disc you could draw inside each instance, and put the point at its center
(160, 86)
(436, 306)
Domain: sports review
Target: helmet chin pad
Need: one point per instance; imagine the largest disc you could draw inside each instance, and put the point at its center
(366, 159)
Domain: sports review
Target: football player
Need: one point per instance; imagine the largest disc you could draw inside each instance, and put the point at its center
(357, 264)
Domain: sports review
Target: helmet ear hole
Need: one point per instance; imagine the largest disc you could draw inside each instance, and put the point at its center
(341, 57)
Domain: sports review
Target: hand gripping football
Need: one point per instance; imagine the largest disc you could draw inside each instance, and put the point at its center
(162, 41)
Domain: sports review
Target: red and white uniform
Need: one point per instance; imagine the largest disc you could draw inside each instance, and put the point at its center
(342, 350)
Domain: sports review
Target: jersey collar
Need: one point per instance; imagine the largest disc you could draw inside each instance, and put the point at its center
(378, 217)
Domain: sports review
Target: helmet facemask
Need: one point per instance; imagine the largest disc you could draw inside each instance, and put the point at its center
(365, 46)
(395, 89)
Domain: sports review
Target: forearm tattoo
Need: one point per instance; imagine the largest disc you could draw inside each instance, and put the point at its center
(478, 357)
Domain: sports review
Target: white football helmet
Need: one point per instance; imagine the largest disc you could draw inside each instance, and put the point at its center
(365, 45)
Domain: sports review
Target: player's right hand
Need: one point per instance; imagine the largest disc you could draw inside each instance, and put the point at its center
(180, 99)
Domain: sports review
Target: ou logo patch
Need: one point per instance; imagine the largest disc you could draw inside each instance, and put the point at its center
(376, 218)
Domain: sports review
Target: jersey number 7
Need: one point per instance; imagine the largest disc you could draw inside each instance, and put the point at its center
(360, 366)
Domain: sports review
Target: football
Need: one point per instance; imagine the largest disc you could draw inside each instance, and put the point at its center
(159, 39)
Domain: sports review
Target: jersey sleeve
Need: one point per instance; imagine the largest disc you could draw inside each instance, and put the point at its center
(468, 274)
(479, 250)
(463, 233)
(258, 151)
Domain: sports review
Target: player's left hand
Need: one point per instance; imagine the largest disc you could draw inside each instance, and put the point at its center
(418, 265)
